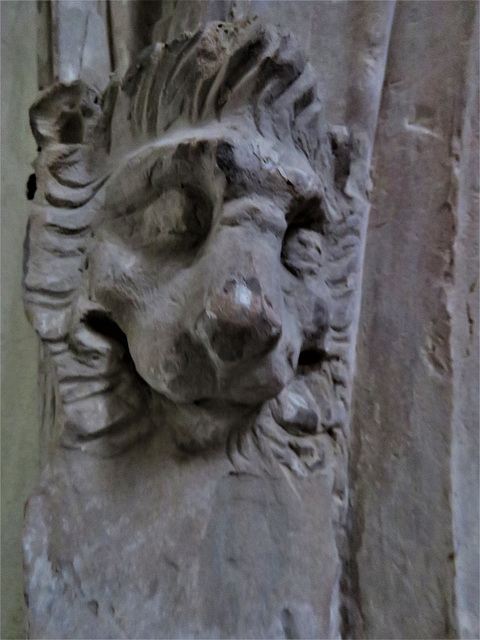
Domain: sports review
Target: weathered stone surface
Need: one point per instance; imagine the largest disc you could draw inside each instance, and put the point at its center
(81, 41)
(192, 268)
(157, 544)
(463, 303)
(404, 556)
(19, 367)
(410, 558)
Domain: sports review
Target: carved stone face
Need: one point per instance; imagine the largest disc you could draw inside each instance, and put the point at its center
(199, 266)
(191, 255)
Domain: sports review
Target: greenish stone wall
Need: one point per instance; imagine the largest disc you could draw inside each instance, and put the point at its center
(19, 345)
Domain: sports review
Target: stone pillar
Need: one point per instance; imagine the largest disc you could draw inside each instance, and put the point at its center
(412, 504)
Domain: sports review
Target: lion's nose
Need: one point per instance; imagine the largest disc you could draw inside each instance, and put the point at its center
(240, 321)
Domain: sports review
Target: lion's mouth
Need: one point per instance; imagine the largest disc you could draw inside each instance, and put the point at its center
(207, 422)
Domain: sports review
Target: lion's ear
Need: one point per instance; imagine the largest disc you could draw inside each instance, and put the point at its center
(65, 114)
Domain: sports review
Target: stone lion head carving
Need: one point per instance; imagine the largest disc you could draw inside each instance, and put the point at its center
(189, 255)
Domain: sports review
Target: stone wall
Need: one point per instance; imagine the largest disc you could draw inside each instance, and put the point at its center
(20, 443)
(408, 540)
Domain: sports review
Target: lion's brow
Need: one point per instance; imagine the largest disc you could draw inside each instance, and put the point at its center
(123, 195)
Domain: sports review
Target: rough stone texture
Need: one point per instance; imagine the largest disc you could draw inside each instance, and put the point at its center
(403, 547)
(410, 556)
(155, 545)
(19, 418)
(192, 267)
(463, 309)
(81, 42)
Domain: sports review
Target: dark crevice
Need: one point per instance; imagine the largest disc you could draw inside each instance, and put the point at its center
(331, 432)
(65, 231)
(203, 94)
(240, 64)
(145, 14)
(71, 131)
(100, 323)
(288, 624)
(342, 161)
(31, 186)
(309, 357)
(225, 158)
(110, 38)
(304, 101)
(306, 213)
(294, 270)
(117, 427)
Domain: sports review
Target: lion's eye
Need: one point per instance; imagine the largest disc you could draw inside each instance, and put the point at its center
(197, 212)
(177, 212)
(180, 215)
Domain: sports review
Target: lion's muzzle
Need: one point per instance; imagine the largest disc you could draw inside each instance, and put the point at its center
(239, 323)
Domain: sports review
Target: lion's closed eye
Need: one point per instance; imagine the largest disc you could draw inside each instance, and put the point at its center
(177, 216)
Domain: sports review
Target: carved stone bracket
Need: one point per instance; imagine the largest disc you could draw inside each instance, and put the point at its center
(192, 266)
